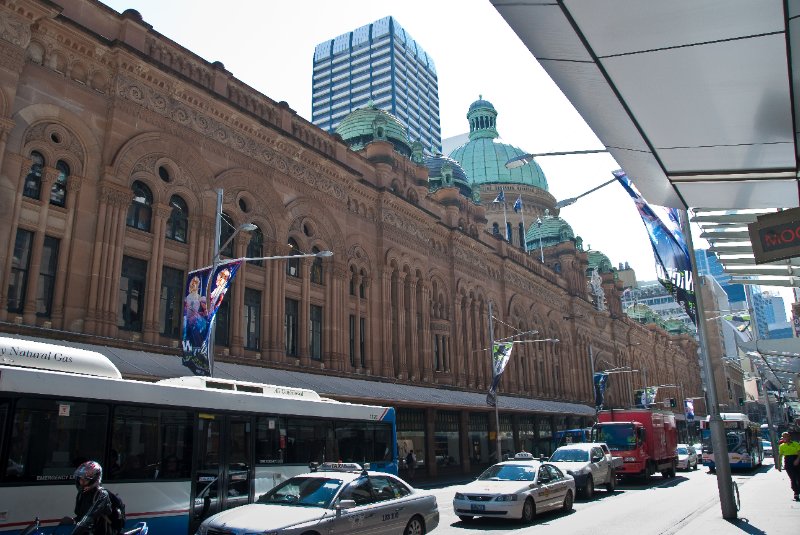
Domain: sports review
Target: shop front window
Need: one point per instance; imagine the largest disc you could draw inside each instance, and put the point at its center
(480, 449)
(411, 437)
(448, 439)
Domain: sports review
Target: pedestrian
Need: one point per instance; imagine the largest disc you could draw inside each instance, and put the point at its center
(789, 451)
(411, 463)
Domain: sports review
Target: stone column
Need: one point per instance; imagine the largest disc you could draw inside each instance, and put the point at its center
(466, 447)
(412, 328)
(113, 267)
(65, 253)
(426, 351)
(236, 304)
(276, 307)
(305, 314)
(387, 364)
(6, 124)
(357, 330)
(402, 364)
(457, 344)
(49, 176)
(150, 323)
(430, 442)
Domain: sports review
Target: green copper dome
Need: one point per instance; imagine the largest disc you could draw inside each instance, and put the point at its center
(484, 158)
(599, 261)
(552, 231)
(369, 123)
(445, 172)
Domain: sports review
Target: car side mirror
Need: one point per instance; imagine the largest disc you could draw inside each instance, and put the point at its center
(597, 458)
(345, 504)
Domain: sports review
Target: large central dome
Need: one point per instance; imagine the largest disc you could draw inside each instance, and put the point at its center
(484, 158)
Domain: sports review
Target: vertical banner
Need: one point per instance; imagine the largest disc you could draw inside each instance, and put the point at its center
(501, 353)
(688, 409)
(645, 397)
(600, 383)
(796, 319)
(203, 297)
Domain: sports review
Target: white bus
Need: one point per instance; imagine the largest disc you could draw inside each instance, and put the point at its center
(176, 451)
(745, 449)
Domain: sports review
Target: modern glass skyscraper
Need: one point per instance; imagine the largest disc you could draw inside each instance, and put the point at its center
(382, 63)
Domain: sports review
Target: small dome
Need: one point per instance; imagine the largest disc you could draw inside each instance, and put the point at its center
(484, 158)
(445, 172)
(599, 261)
(370, 123)
(552, 231)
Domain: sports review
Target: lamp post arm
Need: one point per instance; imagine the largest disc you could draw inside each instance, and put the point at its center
(572, 200)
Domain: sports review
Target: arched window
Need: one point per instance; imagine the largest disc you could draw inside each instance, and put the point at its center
(178, 222)
(352, 281)
(141, 209)
(495, 229)
(33, 181)
(362, 285)
(293, 264)
(255, 247)
(521, 231)
(226, 230)
(316, 268)
(58, 193)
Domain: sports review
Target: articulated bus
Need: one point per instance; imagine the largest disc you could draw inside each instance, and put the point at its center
(744, 441)
(176, 451)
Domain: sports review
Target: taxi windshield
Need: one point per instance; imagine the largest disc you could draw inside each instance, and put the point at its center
(683, 451)
(508, 472)
(304, 492)
(570, 455)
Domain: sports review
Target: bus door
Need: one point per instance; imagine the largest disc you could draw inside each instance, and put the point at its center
(223, 477)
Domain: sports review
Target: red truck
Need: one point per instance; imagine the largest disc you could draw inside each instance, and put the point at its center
(646, 439)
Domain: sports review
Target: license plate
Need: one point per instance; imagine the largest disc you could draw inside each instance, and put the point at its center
(477, 507)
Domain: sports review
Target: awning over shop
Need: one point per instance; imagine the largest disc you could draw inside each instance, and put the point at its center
(142, 364)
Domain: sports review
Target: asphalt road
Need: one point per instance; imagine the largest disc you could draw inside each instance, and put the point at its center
(658, 507)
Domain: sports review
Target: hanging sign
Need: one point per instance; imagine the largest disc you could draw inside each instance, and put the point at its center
(776, 236)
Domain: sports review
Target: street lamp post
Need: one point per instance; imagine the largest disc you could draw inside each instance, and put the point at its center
(215, 263)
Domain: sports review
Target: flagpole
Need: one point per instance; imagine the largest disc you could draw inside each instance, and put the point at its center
(505, 219)
(491, 361)
(524, 228)
(214, 264)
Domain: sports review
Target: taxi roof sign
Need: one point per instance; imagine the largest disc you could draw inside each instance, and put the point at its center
(523, 455)
(339, 467)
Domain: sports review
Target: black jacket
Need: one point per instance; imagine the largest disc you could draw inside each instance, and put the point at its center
(92, 511)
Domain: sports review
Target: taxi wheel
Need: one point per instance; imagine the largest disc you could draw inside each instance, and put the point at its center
(528, 511)
(588, 490)
(568, 501)
(612, 482)
(415, 526)
(465, 518)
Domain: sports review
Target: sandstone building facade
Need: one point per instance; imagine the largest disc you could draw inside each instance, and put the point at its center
(113, 142)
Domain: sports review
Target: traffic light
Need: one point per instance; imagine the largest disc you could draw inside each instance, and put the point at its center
(741, 402)
(672, 402)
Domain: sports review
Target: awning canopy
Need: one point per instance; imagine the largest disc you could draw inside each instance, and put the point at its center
(693, 98)
(142, 364)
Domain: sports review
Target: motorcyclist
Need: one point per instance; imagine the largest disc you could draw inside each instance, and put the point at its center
(92, 504)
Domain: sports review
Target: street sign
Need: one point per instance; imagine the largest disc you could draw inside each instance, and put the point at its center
(776, 236)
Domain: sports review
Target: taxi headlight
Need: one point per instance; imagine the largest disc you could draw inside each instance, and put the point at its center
(506, 498)
(459, 496)
(629, 459)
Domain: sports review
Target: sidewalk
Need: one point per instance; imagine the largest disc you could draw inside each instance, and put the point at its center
(767, 508)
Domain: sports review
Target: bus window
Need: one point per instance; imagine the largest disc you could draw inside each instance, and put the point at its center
(49, 439)
(268, 440)
(309, 440)
(363, 442)
(150, 443)
(13, 469)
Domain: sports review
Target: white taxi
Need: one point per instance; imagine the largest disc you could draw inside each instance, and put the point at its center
(517, 489)
(335, 498)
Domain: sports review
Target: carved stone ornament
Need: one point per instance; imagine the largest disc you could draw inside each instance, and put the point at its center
(14, 29)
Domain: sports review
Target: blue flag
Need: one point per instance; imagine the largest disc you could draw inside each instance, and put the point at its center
(518, 204)
(501, 197)
(600, 383)
(688, 409)
(671, 253)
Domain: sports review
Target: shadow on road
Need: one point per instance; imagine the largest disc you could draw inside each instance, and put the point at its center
(650, 483)
(745, 525)
(507, 524)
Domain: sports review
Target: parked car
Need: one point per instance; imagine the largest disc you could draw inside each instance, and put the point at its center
(590, 464)
(337, 497)
(767, 446)
(698, 448)
(687, 457)
(519, 488)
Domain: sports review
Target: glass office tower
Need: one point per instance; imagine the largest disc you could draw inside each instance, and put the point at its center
(378, 62)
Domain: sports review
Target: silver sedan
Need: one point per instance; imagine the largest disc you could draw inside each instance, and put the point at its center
(515, 489)
(340, 498)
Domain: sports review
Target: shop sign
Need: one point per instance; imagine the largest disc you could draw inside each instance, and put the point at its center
(776, 236)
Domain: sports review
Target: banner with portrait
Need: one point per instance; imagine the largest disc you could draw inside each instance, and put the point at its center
(203, 296)
(600, 385)
(645, 397)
